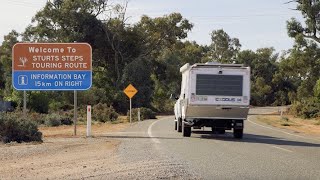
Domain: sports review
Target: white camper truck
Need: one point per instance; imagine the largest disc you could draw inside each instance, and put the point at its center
(213, 95)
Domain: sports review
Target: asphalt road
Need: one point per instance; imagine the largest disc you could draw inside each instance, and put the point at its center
(152, 149)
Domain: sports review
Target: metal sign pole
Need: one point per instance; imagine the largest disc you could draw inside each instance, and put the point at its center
(75, 112)
(24, 103)
(130, 110)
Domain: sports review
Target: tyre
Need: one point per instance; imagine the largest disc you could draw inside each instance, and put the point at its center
(238, 133)
(179, 125)
(186, 131)
(175, 125)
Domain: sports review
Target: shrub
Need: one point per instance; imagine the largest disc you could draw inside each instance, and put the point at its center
(39, 102)
(55, 106)
(66, 121)
(309, 108)
(285, 118)
(52, 120)
(103, 113)
(37, 117)
(145, 113)
(15, 128)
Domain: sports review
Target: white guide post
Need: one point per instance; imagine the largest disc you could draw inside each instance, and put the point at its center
(89, 120)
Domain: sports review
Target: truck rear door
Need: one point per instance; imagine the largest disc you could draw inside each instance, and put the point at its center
(219, 86)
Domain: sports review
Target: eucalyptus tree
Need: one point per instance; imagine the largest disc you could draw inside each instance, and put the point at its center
(223, 48)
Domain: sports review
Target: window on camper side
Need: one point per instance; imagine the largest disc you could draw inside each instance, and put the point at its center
(219, 85)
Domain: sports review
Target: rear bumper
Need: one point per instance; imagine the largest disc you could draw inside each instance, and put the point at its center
(217, 112)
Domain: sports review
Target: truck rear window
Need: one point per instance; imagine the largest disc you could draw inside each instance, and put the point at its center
(219, 85)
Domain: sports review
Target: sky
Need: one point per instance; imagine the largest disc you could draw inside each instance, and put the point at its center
(256, 23)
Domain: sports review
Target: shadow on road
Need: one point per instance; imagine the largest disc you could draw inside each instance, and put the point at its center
(253, 138)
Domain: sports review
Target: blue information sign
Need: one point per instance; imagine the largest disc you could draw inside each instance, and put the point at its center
(52, 80)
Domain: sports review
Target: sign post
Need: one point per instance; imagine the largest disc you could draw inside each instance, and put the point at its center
(24, 103)
(75, 111)
(52, 66)
(130, 91)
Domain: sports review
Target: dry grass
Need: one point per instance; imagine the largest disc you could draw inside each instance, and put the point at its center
(96, 129)
(311, 126)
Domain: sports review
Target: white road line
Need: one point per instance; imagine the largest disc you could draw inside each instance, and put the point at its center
(150, 133)
(283, 149)
(124, 132)
(281, 131)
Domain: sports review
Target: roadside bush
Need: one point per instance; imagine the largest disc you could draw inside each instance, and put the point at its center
(55, 106)
(37, 117)
(39, 102)
(52, 120)
(103, 113)
(14, 128)
(309, 108)
(145, 113)
(66, 121)
(285, 118)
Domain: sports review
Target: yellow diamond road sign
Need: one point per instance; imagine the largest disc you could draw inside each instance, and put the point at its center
(130, 91)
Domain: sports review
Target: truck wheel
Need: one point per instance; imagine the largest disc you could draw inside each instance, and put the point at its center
(179, 125)
(238, 133)
(175, 125)
(186, 131)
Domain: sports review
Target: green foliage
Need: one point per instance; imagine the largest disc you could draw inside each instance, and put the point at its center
(266, 88)
(163, 32)
(138, 74)
(161, 101)
(15, 128)
(145, 113)
(52, 120)
(103, 113)
(260, 92)
(309, 10)
(65, 21)
(223, 48)
(285, 118)
(307, 108)
(316, 90)
(35, 117)
(6, 88)
(55, 106)
(39, 102)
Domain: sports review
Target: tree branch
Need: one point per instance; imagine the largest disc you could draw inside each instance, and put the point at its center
(313, 37)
